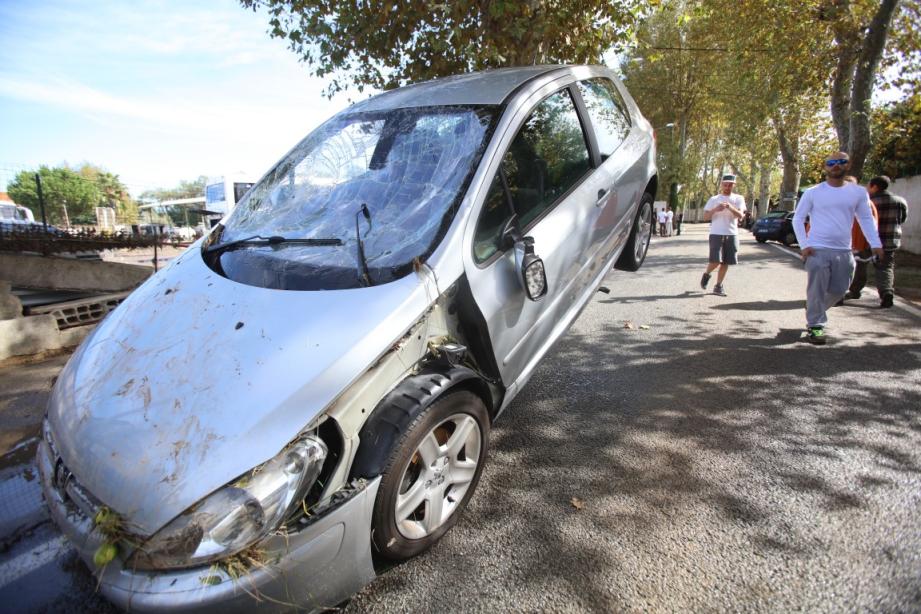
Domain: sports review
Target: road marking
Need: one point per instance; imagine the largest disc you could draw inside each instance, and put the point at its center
(897, 301)
(27, 562)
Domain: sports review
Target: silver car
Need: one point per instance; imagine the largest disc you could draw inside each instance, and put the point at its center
(310, 387)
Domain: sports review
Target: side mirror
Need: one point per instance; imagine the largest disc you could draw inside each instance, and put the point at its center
(530, 268)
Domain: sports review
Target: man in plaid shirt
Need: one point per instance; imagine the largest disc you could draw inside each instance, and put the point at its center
(893, 210)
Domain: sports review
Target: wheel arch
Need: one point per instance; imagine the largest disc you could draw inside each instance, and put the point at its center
(652, 186)
(396, 412)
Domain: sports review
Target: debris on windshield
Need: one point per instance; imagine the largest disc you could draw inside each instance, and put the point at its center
(577, 503)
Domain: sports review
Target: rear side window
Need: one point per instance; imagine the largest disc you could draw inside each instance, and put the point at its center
(608, 113)
(548, 157)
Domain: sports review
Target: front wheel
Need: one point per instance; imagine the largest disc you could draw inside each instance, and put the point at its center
(631, 259)
(760, 239)
(430, 476)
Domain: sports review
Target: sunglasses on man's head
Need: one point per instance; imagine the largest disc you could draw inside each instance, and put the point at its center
(838, 162)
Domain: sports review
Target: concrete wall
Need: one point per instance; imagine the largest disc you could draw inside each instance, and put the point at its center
(22, 336)
(909, 188)
(50, 272)
(36, 334)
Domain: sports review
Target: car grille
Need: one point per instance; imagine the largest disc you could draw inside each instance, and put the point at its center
(65, 484)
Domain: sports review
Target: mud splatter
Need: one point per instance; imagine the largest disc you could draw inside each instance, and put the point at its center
(125, 388)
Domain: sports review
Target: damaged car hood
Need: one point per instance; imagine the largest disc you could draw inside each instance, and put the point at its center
(196, 379)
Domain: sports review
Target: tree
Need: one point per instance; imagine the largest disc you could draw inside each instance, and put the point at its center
(384, 44)
(66, 194)
(71, 196)
(112, 194)
(673, 87)
(861, 29)
(179, 216)
(896, 150)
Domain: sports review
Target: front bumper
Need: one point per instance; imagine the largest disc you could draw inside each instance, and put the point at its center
(315, 568)
(773, 234)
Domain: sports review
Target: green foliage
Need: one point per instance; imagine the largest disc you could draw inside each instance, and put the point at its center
(73, 195)
(179, 216)
(186, 189)
(896, 150)
(741, 81)
(383, 44)
(901, 62)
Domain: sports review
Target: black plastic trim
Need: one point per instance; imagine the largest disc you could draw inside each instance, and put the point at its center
(397, 411)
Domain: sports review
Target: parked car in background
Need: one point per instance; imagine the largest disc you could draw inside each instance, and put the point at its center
(317, 378)
(775, 226)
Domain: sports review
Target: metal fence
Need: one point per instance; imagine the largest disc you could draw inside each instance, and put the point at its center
(42, 239)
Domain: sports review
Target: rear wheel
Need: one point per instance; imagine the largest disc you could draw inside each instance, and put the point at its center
(430, 476)
(631, 259)
(789, 239)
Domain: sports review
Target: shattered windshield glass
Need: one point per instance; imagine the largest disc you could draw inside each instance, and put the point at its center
(391, 179)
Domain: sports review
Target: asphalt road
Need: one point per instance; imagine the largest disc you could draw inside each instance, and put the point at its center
(676, 451)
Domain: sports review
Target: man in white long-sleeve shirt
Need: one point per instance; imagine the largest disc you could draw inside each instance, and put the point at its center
(831, 208)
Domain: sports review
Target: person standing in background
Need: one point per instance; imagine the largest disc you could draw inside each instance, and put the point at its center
(669, 221)
(861, 249)
(893, 211)
(678, 220)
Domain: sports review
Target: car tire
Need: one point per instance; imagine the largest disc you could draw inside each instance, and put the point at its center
(760, 240)
(430, 476)
(789, 239)
(631, 259)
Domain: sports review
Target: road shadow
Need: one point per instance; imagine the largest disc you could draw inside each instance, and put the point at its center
(761, 306)
(706, 443)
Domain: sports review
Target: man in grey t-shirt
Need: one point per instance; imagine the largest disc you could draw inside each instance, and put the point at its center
(723, 211)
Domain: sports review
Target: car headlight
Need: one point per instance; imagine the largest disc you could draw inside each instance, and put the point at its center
(233, 518)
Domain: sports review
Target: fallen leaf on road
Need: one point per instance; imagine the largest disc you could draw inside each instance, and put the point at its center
(577, 503)
(629, 325)
(644, 326)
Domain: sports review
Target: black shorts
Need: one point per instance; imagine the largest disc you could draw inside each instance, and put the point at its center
(724, 249)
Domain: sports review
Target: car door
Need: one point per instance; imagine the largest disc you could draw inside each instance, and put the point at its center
(617, 177)
(544, 178)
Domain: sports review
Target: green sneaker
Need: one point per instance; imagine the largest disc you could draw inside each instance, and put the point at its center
(816, 336)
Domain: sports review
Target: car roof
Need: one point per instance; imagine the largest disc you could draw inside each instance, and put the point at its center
(488, 87)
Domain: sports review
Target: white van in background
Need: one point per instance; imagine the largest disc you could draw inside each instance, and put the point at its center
(11, 213)
(223, 193)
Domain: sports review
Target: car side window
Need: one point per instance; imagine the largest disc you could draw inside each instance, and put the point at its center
(608, 113)
(548, 156)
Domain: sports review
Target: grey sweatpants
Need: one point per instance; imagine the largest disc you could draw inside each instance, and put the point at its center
(829, 273)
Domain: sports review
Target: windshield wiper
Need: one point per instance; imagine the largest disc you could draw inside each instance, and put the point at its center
(365, 273)
(273, 240)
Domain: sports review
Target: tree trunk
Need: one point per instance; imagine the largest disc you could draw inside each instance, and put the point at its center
(840, 98)
(765, 189)
(752, 178)
(864, 75)
(847, 39)
(789, 153)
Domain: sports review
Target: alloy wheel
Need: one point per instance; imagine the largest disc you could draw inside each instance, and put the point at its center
(643, 232)
(438, 476)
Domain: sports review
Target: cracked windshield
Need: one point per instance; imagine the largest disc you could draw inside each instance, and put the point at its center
(384, 184)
